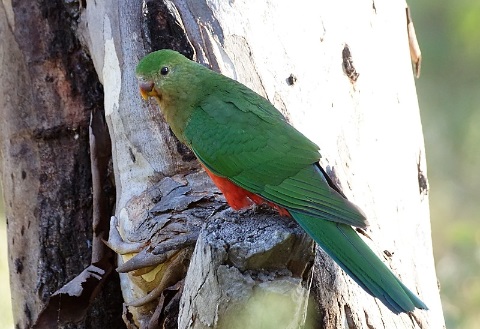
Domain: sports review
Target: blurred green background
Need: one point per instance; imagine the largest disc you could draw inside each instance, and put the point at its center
(449, 98)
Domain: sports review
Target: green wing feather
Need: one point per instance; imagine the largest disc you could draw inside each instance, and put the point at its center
(251, 144)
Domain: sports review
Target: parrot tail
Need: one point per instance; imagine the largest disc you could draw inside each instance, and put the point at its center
(354, 256)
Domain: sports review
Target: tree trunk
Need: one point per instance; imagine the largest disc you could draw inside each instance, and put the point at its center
(48, 90)
(339, 72)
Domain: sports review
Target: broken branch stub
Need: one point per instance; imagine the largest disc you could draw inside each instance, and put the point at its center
(246, 267)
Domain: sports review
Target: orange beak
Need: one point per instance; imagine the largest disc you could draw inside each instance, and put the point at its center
(147, 89)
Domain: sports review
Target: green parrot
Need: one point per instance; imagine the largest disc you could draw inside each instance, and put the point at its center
(254, 156)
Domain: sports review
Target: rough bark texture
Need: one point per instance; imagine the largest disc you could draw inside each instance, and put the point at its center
(341, 74)
(250, 270)
(48, 90)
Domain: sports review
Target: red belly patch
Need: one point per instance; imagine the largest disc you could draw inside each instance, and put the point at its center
(239, 198)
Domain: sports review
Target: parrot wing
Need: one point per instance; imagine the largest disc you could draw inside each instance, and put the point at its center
(250, 143)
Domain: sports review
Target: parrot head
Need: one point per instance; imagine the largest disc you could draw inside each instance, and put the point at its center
(161, 73)
(175, 82)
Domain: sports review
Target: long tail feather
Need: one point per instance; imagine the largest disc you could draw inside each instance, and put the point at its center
(344, 245)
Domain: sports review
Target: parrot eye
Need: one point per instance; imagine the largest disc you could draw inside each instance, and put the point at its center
(164, 70)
